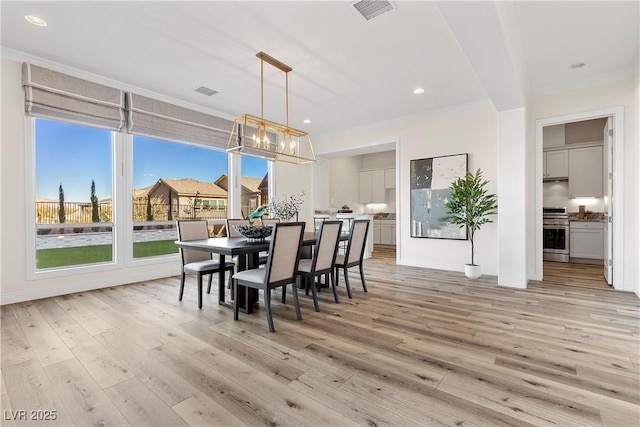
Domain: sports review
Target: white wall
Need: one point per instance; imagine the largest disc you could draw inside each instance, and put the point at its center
(322, 184)
(637, 128)
(469, 129)
(293, 179)
(343, 183)
(512, 257)
(606, 95)
(382, 160)
(553, 136)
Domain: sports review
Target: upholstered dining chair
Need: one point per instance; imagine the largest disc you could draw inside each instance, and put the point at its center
(281, 268)
(269, 221)
(199, 263)
(323, 261)
(354, 253)
(231, 232)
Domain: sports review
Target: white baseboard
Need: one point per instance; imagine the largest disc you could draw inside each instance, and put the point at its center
(30, 295)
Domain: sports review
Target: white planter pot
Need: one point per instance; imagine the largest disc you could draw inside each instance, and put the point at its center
(472, 271)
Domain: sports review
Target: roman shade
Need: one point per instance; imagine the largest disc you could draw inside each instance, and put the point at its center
(158, 119)
(50, 94)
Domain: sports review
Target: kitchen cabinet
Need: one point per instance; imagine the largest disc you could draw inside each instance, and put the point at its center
(371, 187)
(384, 232)
(376, 232)
(586, 240)
(387, 232)
(389, 178)
(585, 172)
(555, 164)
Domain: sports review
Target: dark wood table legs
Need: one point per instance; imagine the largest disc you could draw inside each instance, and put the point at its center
(245, 299)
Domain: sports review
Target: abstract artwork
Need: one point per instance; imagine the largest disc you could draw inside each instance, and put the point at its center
(430, 181)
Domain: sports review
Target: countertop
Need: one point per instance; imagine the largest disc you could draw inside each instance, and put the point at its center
(595, 217)
(385, 215)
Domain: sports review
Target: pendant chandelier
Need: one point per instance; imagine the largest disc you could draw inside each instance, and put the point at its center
(256, 137)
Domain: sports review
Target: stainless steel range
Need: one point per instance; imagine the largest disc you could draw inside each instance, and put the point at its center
(555, 234)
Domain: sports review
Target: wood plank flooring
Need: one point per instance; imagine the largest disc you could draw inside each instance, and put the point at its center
(422, 347)
(571, 274)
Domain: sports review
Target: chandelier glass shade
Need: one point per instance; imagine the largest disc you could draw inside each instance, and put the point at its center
(257, 137)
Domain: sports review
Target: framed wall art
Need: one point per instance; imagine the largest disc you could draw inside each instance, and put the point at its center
(430, 181)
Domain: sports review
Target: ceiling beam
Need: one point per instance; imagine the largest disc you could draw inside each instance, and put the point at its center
(483, 35)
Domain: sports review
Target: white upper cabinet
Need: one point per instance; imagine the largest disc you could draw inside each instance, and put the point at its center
(371, 187)
(585, 172)
(389, 178)
(556, 164)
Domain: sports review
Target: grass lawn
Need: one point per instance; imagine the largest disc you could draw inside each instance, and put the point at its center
(62, 257)
(154, 248)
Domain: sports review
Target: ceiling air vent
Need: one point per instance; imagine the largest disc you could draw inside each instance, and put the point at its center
(369, 9)
(206, 91)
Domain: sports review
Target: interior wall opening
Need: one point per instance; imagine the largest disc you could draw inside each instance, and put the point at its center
(577, 164)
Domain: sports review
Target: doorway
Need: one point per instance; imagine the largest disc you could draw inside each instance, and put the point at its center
(552, 187)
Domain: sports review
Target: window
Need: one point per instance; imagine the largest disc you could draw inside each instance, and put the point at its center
(255, 184)
(174, 181)
(83, 221)
(73, 188)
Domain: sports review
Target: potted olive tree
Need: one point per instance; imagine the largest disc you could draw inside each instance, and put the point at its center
(470, 205)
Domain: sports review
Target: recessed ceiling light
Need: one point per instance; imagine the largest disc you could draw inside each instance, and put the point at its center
(31, 19)
(576, 65)
(418, 91)
(307, 121)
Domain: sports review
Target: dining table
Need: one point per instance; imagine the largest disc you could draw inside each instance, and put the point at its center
(247, 255)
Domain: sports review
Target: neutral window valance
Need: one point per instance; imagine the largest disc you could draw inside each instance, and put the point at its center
(55, 95)
(158, 119)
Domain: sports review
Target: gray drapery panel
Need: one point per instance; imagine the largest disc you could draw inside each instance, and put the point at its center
(55, 95)
(158, 119)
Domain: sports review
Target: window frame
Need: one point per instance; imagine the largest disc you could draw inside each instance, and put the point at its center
(131, 261)
(122, 193)
(127, 246)
(33, 273)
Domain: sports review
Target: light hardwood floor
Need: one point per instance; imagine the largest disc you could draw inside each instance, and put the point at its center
(570, 274)
(422, 347)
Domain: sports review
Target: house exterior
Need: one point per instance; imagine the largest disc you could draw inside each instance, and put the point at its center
(254, 191)
(189, 198)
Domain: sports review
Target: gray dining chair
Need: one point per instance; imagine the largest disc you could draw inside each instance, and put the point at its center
(231, 232)
(269, 221)
(281, 268)
(323, 261)
(354, 254)
(195, 262)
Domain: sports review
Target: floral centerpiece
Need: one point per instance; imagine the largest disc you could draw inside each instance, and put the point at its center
(287, 208)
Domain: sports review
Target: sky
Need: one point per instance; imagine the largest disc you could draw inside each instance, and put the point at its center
(74, 155)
